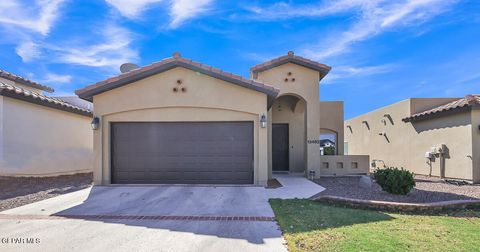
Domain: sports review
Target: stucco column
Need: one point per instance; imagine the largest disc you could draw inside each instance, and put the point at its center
(313, 134)
(475, 145)
(269, 134)
(263, 172)
(97, 155)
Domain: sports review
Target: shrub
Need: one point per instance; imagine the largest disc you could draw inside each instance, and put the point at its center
(329, 150)
(394, 180)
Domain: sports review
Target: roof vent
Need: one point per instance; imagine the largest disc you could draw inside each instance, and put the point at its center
(127, 67)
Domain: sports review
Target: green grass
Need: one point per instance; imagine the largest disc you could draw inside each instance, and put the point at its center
(313, 226)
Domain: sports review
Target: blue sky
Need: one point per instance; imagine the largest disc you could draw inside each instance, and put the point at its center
(381, 51)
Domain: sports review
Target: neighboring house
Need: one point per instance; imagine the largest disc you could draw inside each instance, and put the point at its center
(42, 135)
(183, 122)
(437, 136)
(327, 143)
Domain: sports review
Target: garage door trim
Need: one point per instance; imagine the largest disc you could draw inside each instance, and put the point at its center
(247, 130)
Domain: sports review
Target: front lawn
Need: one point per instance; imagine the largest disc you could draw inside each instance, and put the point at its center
(313, 226)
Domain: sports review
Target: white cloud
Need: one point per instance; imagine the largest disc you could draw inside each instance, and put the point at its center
(344, 72)
(112, 50)
(38, 17)
(56, 78)
(182, 10)
(28, 51)
(374, 17)
(283, 10)
(179, 10)
(131, 8)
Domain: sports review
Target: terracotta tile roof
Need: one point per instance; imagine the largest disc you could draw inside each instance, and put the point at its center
(292, 58)
(88, 92)
(24, 81)
(455, 106)
(36, 98)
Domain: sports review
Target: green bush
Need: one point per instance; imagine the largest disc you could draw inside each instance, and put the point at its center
(329, 150)
(394, 180)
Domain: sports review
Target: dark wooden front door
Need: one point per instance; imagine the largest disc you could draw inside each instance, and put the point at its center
(280, 147)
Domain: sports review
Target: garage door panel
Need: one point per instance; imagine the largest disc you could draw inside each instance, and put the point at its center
(183, 153)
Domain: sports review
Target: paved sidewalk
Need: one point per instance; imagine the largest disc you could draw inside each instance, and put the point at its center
(155, 218)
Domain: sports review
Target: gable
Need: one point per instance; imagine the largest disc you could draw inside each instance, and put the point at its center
(164, 90)
(88, 92)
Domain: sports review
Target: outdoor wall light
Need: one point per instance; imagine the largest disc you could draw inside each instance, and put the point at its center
(263, 121)
(95, 123)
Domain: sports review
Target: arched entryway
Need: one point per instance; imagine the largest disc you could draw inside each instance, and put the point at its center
(288, 136)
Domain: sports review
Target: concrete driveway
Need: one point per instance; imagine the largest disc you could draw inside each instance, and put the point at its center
(152, 218)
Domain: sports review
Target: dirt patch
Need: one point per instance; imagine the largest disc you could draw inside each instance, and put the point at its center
(19, 191)
(427, 190)
(273, 183)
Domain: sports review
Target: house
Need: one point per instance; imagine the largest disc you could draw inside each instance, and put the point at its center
(182, 122)
(429, 136)
(42, 135)
(327, 143)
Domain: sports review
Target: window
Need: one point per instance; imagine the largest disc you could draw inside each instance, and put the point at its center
(328, 142)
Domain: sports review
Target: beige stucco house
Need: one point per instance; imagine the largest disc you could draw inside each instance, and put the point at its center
(429, 136)
(42, 135)
(183, 122)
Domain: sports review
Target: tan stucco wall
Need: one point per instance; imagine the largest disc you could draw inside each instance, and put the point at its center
(41, 141)
(306, 87)
(331, 119)
(152, 99)
(476, 144)
(408, 142)
(344, 165)
(282, 113)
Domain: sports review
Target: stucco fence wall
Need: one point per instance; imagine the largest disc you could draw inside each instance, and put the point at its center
(399, 144)
(339, 165)
(41, 141)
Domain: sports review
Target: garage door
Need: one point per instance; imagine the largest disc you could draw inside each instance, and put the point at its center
(182, 152)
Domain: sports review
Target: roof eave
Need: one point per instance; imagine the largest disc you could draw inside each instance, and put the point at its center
(88, 93)
(428, 116)
(323, 70)
(41, 102)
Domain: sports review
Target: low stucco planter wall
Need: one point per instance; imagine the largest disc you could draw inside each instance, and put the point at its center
(400, 207)
(339, 165)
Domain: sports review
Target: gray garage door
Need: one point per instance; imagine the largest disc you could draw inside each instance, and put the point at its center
(182, 152)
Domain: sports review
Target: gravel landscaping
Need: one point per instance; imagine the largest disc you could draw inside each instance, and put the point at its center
(427, 190)
(19, 191)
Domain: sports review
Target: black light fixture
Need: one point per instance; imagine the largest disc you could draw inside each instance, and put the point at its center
(263, 121)
(95, 123)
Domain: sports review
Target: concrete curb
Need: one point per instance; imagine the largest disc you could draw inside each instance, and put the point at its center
(399, 206)
(136, 217)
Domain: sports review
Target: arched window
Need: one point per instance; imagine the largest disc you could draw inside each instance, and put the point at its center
(328, 142)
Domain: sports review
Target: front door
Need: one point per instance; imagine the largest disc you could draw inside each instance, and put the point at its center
(280, 147)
